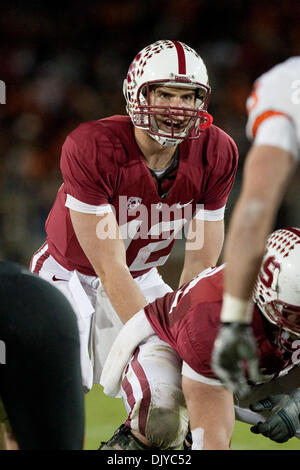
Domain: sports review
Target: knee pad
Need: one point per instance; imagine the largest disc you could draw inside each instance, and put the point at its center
(153, 396)
(166, 428)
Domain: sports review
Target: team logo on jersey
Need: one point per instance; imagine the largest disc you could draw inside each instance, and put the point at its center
(133, 202)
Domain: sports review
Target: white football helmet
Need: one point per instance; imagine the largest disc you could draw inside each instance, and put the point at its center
(277, 289)
(171, 64)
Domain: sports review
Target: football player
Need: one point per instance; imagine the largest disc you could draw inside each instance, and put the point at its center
(274, 124)
(187, 320)
(130, 184)
(41, 399)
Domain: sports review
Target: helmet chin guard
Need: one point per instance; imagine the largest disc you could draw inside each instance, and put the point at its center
(277, 288)
(169, 64)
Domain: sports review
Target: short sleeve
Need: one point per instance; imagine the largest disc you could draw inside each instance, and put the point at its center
(187, 371)
(87, 168)
(195, 339)
(221, 177)
(273, 108)
(278, 131)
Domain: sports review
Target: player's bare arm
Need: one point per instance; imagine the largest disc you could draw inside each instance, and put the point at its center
(203, 247)
(273, 125)
(266, 175)
(267, 171)
(107, 256)
(211, 414)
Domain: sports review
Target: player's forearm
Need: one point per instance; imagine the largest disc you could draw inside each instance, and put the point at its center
(123, 292)
(211, 414)
(251, 223)
(266, 174)
(103, 245)
(208, 251)
(194, 265)
(190, 271)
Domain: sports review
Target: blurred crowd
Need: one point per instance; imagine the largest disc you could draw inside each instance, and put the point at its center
(65, 64)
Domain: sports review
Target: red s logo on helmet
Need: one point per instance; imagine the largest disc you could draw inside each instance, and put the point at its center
(266, 274)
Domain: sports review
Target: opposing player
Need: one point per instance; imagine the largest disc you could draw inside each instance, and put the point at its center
(187, 320)
(274, 124)
(131, 183)
(41, 399)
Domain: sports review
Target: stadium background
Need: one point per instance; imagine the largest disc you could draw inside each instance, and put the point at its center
(64, 64)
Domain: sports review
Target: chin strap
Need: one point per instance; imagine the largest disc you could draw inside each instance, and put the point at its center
(165, 141)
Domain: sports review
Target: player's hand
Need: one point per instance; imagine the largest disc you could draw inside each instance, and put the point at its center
(234, 344)
(284, 419)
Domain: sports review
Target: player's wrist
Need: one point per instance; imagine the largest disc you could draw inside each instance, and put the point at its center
(235, 310)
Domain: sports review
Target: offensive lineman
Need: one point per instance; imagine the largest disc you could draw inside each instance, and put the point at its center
(130, 185)
(188, 321)
(274, 124)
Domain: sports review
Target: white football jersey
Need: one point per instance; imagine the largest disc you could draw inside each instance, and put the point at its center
(274, 108)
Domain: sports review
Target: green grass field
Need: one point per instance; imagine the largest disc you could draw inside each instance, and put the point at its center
(104, 415)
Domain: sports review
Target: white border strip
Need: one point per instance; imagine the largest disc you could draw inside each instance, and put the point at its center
(210, 215)
(79, 206)
(187, 371)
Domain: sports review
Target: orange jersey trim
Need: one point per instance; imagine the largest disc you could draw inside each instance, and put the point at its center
(264, 116)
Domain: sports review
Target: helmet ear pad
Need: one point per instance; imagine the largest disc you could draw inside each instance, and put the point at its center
(160, 64)
(276, 291)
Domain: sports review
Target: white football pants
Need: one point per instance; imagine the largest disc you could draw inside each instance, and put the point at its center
(151, 389)
(98, 322)
(155, 384)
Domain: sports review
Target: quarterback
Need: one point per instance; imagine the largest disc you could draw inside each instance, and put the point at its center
(274, 124)
(130, 184)
(187, 320)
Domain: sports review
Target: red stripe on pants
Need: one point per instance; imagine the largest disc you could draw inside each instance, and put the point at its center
(145, 386)
(40, 261)
(130, 397)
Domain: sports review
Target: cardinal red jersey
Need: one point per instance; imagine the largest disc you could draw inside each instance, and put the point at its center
(101, 164)
(189, 318)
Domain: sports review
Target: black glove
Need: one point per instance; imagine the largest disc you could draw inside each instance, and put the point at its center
(284, 419)
(234, 344)
(188, 442)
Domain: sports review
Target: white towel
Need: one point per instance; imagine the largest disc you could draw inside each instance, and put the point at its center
(135, 331)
